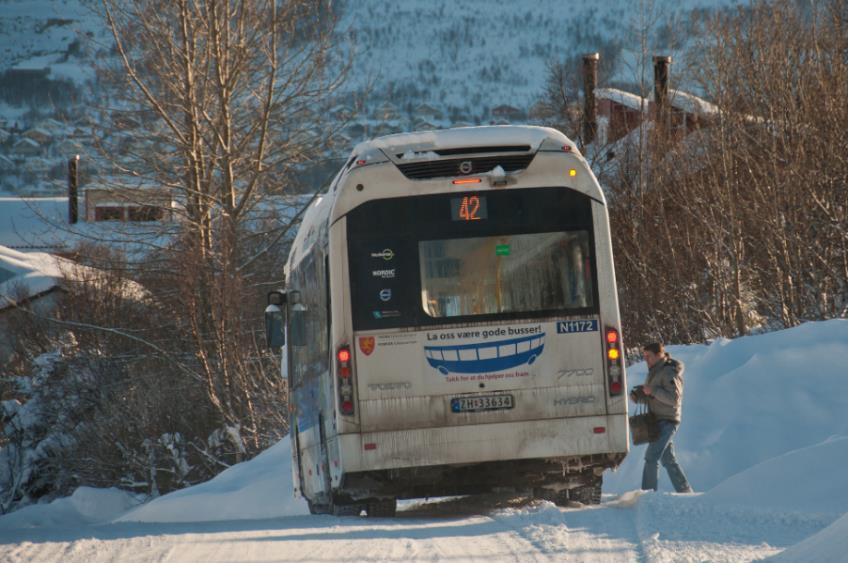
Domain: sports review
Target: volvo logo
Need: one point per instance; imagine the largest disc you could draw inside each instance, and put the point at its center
(466, 166)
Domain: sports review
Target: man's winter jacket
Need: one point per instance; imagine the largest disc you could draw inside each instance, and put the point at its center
(666, 382)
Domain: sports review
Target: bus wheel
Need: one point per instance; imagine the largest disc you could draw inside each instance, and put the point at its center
(347, 509)
(315, 508)
(382, 508)
(587, 494)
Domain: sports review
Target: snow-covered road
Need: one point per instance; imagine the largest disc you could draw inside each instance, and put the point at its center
(631, 527)
(764, 436)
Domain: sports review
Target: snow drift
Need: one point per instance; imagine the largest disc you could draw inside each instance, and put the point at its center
(259, 488)
(751, 399)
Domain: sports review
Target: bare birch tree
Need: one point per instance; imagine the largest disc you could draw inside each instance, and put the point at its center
(220, 102)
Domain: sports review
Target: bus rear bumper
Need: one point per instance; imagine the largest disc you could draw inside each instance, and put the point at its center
(480, 443)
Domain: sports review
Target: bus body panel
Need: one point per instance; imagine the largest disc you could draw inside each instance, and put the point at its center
(559, 438)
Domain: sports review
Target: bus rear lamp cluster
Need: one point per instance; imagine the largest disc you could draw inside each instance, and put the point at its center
(345, 373)
(614, 367)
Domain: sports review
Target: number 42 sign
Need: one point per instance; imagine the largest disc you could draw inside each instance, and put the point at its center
(469, 208)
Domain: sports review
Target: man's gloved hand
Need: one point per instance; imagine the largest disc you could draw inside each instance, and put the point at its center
(637, 394)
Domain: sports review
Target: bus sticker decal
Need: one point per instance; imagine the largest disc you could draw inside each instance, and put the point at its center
(367, 344)
(385, 295)
(386, 254)
(485, 357)
(582, 325)
(388, 274)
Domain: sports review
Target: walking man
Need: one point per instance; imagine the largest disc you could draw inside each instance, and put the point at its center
(663, 393)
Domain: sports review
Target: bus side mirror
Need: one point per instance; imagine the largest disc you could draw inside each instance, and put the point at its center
(275, 319)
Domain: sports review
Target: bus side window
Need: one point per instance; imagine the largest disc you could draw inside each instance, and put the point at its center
(298, 335)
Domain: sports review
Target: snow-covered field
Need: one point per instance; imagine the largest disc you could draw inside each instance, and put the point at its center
(764, 441)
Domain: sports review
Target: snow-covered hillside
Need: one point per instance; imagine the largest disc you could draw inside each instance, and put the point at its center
(764, 441)
(483, 53)
(416, 64)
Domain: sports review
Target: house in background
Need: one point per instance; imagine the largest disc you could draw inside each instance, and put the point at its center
(45, 224)
(426, 112)
(128, 204)
(507, 113)
(7, 165)
(38, 281)
(38, 134)
(27, 147)
(32, 279)
(611, 114)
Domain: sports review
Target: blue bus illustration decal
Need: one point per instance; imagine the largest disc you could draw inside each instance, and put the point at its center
(485, 357)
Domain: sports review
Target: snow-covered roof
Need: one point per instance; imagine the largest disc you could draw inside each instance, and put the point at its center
(690, 103)
(27, 142)
(39, 131)
(632, 101)
(41, 224)
(29, 274)
(678, 99)
(32, 223)
(32, 273)
(422, 141)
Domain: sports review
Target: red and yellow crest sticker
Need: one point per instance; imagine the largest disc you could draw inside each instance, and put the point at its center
(367, 344)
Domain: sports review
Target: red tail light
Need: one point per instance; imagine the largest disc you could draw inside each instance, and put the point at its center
(615, 365)
(344, 370)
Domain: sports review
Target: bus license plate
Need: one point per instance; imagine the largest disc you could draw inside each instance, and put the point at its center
(482, 403)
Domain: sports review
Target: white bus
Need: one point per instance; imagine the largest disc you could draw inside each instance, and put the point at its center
(452, 324)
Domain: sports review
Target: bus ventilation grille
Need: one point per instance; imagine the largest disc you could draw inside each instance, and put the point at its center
(448, 168)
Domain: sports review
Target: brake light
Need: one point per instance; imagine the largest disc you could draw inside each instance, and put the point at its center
(344, 370)
(615, 369)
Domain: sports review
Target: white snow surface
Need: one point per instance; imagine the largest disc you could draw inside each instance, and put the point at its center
(32, 273)
(260, 488)
(85, 506)
(763, 440)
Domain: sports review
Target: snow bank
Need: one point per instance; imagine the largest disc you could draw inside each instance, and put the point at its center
(85, 506)
(831, 544)
(751, 399)
(259, 488)
(810, 479)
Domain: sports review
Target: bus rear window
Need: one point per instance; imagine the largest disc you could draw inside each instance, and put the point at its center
(512, 273)
(426, 260)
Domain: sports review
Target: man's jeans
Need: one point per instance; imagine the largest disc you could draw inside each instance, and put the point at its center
(663, 450)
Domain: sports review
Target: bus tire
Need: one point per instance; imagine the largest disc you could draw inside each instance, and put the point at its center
(347, 509)
(587, 494)
(382, 508)
(315, 508)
